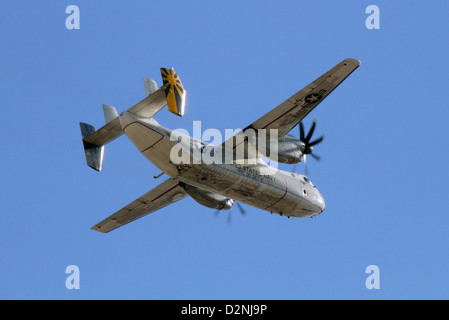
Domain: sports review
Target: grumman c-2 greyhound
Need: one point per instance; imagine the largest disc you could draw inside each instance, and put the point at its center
(216, 185)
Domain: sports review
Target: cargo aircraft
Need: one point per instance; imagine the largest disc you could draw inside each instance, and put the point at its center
(247, 178)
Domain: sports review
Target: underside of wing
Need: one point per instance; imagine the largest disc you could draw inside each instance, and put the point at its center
(164, 194)
(290, 112)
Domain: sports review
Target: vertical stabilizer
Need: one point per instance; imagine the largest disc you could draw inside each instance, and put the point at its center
(150, 86)
(109, 113)
(94, 154)
(174, 91)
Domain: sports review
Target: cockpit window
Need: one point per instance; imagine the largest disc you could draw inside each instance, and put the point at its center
(307, 180)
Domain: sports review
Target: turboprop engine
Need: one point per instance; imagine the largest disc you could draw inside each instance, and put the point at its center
(291, 150)
(207, 198)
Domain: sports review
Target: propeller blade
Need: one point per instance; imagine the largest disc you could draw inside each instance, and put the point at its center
(306, 168)
(242, 211)
(320, 139)
(294, 167)
(310, 134)
(301, 131)
(229, 219)
(316, 157)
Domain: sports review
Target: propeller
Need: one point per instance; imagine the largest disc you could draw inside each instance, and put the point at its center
(307, 148)
(239, 206)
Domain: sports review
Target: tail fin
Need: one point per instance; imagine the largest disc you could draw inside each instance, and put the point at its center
(94, 141)
(94, 153)
(109, 113)
(174, 91)
(150, 86)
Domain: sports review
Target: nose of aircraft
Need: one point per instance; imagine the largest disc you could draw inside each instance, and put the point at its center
(319, 201)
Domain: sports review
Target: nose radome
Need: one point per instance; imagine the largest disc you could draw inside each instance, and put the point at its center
(320, 202)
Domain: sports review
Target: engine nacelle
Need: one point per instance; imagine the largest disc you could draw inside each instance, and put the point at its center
(289, 150)
(207, 198)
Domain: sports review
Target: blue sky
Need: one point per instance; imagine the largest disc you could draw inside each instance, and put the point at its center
(383, 173)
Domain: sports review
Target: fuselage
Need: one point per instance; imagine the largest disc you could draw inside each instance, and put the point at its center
(258, 185)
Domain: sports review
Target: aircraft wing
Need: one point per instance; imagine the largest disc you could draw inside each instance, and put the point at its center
(164, 194)
(290, 112)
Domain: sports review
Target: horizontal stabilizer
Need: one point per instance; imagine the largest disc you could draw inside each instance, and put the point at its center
(110, 131)
(172, 94)
(149, 106)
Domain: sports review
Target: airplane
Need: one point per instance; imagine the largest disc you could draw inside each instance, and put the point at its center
(217, 185)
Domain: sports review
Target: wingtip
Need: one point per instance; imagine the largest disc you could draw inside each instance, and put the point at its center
(353, 60)
(97, 228)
